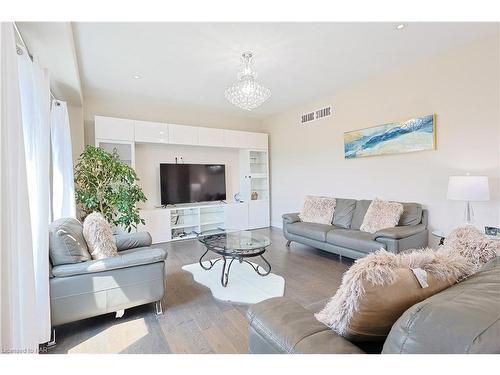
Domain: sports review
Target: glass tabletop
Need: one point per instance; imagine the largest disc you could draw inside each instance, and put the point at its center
(244, 241)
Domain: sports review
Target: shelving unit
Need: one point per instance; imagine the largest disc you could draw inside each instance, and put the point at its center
(190, 220)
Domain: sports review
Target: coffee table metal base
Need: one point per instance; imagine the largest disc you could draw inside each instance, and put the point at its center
(225, 270)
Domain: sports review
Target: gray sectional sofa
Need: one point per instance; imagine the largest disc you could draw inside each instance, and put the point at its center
(461, 319)
(343, 236)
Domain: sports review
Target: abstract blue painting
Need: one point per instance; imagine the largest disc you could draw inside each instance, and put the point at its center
(416, 134)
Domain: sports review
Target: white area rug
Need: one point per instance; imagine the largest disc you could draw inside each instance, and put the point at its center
(244, 285)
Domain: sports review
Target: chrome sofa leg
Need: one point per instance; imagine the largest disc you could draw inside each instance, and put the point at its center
(159, 307)
(52, 341)
(119, 314)
(288, 243)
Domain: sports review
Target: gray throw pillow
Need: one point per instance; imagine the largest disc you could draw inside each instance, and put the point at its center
(66, 242)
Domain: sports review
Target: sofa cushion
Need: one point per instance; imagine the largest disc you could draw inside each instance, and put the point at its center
(66, 242)
(127, 258)
(412, 214)
(310, 230)
(132, 240)
(378, 288)
(353, 239)
(359, 213)
(380, 215)
(317, 210)
(290, 328)
(344, 209)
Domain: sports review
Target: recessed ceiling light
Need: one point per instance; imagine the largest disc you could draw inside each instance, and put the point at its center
(401, 26)
(136, 76)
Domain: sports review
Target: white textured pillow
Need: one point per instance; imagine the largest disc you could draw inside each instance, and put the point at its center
(318, 210)
(380, 215)
(99, 236)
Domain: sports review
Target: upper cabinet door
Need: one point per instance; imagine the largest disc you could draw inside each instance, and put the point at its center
(182, 134)
(241, 139)
(211, 137)
(114, 128)
(151, 132)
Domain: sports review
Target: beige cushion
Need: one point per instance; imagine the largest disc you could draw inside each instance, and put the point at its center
(381, 306)
(317, 210)
(99, 236)
(378, 288)
(380, 215)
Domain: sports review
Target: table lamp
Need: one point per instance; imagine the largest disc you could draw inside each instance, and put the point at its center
(468, 189)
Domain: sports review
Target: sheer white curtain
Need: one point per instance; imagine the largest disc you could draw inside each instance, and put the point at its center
(63, 186)
(18, 319)
(35, 108)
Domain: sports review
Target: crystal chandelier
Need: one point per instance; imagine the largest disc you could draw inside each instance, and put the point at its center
(246, 93)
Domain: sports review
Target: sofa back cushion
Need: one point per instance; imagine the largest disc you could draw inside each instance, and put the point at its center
(380, 215)
(359, 213)
(412, 214)
(344, 209)
(461, 319)
(66, 242)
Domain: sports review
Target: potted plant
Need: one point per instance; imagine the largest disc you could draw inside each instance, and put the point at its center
(105, 184)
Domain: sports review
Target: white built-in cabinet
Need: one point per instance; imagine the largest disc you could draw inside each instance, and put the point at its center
(151, 132)
(183, 135)
(211, 137)
(185, 221)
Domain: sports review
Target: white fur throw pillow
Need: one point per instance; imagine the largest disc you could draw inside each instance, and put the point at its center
(380, 215)
(318, 210)
(378, 288)
(99, 236)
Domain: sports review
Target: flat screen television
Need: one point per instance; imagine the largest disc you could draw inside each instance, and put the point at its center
(190, 183)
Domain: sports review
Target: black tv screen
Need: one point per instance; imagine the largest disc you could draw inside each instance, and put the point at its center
(190, 183)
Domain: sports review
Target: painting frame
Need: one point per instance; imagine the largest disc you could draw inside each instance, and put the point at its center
(388, 140)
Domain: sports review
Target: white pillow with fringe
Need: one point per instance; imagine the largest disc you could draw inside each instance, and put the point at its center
(380, 215)
(318, 210)
(99, 236)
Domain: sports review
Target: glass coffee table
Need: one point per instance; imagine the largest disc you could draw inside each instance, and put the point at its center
(235, 246)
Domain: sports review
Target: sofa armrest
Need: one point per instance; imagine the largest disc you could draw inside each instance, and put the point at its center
(126, 241)
(290, 328)
(398, 233)
(136, 258)
(291, 218)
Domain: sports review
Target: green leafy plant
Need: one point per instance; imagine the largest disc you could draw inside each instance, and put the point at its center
(105, 184)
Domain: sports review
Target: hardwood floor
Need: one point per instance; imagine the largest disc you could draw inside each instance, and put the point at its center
(193, 321)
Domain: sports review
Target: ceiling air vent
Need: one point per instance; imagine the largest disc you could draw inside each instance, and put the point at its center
(316, 115)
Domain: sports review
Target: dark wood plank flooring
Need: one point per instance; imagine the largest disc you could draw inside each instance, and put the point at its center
(194, 321)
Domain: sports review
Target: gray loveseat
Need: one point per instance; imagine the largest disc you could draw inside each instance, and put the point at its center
(83, 288)
(343, 236)
(461, 319)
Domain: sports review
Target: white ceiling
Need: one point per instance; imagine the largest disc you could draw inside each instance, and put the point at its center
(191, 64)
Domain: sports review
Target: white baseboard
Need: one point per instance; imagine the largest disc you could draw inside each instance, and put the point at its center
(277, 224)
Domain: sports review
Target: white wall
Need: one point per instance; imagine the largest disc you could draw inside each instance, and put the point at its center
(461, 87)
(149, 156)
(76, 125)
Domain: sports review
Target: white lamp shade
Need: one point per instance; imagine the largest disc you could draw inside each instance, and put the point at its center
(468, 188)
